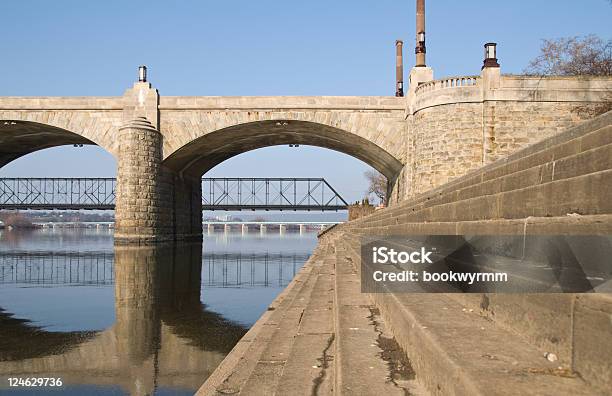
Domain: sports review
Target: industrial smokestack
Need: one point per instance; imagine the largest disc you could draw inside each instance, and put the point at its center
(399, 69)
(420, 49)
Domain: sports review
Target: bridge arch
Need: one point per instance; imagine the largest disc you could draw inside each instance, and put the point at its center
(208, 149)
(22, 133)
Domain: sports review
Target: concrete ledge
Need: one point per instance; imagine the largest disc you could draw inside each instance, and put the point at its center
(229, 103)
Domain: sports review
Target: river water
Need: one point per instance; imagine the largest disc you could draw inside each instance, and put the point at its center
(111, 320)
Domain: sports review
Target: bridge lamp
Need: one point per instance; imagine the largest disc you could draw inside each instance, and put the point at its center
(142, 74)
(420, 48)
(490, 50)
(490, 55)
(421, 38)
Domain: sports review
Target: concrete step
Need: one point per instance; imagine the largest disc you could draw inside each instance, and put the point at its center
(311, 363)
(265, 376)
(554, 150)
(574, 141)
(585, 225)
(241, 364)
(583, 162)
(297, 346)
(586, 194)
(582, 155)
(575, 327)
(459, 352)
(368, 359)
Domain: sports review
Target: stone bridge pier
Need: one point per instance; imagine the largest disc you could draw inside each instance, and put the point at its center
(153, 202)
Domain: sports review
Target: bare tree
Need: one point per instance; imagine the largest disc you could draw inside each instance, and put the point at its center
(576, 56)
(573, 56)
(377, 184)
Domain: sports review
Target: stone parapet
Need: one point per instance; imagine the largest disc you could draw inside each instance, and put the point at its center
(477, 89)
(46, 103)
(272, 103)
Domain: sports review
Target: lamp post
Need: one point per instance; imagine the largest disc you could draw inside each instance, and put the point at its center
(490, 55)
(142, 74)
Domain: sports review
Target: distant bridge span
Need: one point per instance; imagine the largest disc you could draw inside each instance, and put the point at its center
(304, 194)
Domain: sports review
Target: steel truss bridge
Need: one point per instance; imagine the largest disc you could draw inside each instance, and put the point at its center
(310, 194)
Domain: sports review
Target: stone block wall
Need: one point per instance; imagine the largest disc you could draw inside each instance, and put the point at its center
(139, 211)
(185, 204)
(454, 128)
(153, 203)
(510, 126)
(446, 142)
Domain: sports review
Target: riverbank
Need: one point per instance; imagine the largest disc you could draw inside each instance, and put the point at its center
(319, 336)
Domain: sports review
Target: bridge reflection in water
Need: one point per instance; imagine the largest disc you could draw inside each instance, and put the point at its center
(163, 337)
(221, 269)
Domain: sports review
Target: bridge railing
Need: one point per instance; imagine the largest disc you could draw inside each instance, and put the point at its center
(449, 82)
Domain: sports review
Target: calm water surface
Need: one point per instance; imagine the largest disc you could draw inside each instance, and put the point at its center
(133, 320)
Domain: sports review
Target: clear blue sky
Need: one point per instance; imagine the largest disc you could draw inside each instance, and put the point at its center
(260, 47)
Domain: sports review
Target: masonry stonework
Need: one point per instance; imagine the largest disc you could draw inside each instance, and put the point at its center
(458, 124)
(440, 131)
(510, 126)
(141, 212)
(454, 146)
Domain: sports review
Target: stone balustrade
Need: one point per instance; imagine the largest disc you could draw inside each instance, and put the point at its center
(449, 82)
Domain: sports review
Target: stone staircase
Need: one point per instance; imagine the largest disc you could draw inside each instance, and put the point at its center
(495, 343)
(458, 347)
(321, 336)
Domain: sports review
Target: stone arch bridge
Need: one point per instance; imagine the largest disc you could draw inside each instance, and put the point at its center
(441, 130)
